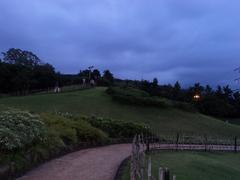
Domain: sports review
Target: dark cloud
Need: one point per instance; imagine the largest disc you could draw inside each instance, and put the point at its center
(173, 40)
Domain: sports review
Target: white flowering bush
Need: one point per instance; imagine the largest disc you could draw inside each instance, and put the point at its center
(19, 129)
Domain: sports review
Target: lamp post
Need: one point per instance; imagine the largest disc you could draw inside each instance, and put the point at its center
(237, 79)
(90, 70)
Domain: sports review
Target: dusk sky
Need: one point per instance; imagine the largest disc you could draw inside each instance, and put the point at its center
(185, 40)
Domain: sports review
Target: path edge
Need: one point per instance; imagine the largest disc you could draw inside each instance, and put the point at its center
(121, 167)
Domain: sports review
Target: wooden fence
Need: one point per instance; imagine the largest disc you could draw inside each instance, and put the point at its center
(200, 143)
(141, 167)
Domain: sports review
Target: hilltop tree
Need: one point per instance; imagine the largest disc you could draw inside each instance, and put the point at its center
(96, 74)
(219, 92)
(208, 90)
(227, 92)
(155, 83)
(176, 91)
(84, 73)
(21, 57)
(177, 86)
(108, 77)
(22, 72)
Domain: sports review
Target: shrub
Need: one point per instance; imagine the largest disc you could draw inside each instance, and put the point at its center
(117, 129)
(128, 91)
(135, 97)
(19, 129)
(216, 107)
(73, 130)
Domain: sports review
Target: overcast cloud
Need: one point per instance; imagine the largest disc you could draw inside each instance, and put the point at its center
(187, 40)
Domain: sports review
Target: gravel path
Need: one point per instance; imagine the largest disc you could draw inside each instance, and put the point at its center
(99, 163)
(90, 164)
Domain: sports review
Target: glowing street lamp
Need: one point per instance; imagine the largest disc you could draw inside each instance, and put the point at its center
(196, 97)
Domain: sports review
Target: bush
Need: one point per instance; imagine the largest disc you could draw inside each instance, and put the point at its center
(216, 107)
(135, 97)
(118, 129)
(20, 129)
(128, 91)
(73, 130)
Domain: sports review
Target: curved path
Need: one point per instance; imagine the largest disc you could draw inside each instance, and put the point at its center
(100, 163)
(90, 164)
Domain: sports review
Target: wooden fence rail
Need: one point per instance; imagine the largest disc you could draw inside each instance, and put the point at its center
(141, 169)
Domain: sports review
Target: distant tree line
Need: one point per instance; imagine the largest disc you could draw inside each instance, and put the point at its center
(22, 72)
(219, 102)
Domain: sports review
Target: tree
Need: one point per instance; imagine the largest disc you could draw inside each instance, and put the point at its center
(219, 92)
(198, 88)
(208, 91)
(44, 76)
(176, 91)
(177, 86)
(108, 77)
(22, 72)
(84, 73)
(227, 92)
(21, 57)
(96, 74)
(155, 83)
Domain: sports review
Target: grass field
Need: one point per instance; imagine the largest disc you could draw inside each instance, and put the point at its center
(97, 102)
(196, 165)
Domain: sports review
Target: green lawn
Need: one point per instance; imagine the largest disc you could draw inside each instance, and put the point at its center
(97, 102)
(196, 165)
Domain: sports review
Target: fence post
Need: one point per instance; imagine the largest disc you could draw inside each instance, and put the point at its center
(142, 174)
(148, 146)
(177, 141)
(161, 174)
(205, 137)
(235, 144)
(174, 177)
(149, 169)
(167, 174)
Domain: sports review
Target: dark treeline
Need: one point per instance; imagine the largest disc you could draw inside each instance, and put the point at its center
(219, 102)
(23, 72)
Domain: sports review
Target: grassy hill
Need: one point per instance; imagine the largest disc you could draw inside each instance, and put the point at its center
(97, 102)
(196, 165)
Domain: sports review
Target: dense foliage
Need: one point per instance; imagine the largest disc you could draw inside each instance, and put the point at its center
(113, 128)
(20, 129)
(72, 131)
(135, 97)
(27, 140)
(219, 102)
(22, 72)
(118, 129)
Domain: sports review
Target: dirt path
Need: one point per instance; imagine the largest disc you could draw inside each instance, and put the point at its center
(90, 164)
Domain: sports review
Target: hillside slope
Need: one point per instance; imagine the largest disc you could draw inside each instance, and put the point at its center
(97, 102)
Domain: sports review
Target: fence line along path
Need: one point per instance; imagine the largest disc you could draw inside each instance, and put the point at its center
(91, 164)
